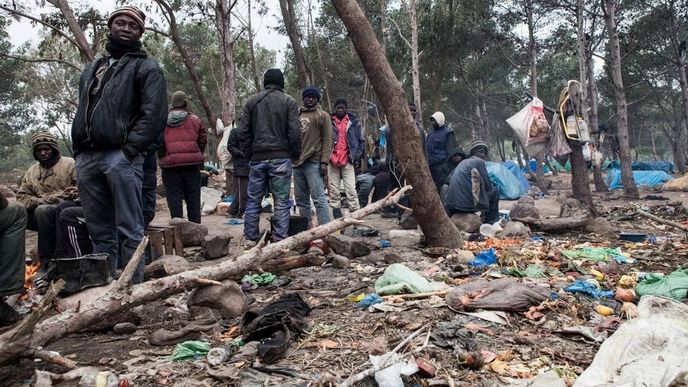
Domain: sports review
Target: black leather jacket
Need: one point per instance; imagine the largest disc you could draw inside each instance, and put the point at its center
(269, 126)
(131, 112)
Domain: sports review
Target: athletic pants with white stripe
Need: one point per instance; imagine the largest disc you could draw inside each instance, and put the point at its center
(72, 238)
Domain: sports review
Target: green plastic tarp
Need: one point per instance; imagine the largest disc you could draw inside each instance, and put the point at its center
(674, 285)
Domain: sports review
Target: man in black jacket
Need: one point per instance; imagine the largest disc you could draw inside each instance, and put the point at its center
(270, 136)
(122, 111)
(240, 174)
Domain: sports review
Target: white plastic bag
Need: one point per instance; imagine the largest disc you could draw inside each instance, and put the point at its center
(530, 124)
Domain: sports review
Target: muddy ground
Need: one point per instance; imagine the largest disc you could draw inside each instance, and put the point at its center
(341, 337)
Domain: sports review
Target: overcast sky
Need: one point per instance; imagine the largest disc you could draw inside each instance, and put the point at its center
(266, 36)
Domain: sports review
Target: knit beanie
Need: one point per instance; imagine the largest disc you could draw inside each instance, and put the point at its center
(178, 99)
(438, 117)
(311, 91)
(43, 137)
(131, 11)
(341, 101)
(476, 146)
(274, 77)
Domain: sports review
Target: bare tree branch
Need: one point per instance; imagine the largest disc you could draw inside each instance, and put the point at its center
(42, 60)
(37, 20)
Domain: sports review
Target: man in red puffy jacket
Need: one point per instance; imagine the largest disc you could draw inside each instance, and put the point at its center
(181, 158)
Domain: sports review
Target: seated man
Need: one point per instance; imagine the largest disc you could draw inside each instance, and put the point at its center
(72, 239)
(44, 185)
(470, 188)
(12, 230)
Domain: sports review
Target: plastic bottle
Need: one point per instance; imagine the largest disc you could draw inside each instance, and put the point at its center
(94, 378)
(487, 230)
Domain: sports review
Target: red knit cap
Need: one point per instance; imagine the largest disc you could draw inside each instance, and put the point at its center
(131, 11)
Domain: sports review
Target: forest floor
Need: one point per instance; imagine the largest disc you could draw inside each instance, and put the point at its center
(456, 349)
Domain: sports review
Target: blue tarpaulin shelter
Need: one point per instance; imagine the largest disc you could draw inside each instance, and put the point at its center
(650, 179)
(666, 166)
(516, 171)
(532, 165)
(508, 184)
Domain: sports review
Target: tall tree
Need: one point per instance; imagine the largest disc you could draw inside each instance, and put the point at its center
(433, 220)
(223, 13)
(290, 23)
(609, 12)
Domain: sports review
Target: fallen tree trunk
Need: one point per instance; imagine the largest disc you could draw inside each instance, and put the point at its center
(557, 224)
(118, 300)
(662, 221)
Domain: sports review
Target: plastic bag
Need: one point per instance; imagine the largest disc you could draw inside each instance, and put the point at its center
(674, 285)
(530, 124)
(485, 258)
(596, 254)
(588, 288)
(190, 350)
(504, 294)
(398, 278)
(558, 147)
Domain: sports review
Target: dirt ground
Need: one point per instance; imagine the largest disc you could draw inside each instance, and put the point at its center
(341, 337)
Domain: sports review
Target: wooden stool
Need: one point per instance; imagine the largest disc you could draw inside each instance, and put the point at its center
(164, 240)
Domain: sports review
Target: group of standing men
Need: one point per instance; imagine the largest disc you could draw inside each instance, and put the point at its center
(280, 139)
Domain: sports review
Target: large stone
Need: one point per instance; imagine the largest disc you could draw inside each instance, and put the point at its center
(524, 208)
(460, 257)
(228, 299)
(401, 238)
(571, 207)
(193, 234)
(164, 266)
(347, 246)
(408, 221)
(216, 246)
(514, 229)
(603, 227)
(467, 222)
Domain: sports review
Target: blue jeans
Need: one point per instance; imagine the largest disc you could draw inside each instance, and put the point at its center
(277, 174)
(110, 189)
(308, 184)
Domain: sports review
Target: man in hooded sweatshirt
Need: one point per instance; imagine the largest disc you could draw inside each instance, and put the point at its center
(122, 111)
(181, 159)
(316, 147)
(439, 145)
(43, 187)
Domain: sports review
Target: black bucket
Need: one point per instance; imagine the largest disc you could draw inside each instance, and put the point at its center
(80, 273)
(297, 224)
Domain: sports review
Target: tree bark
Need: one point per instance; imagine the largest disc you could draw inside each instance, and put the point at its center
(85, 50)
(15, 344)
(171, 19)
(532, 65)
(630, 189)
(415, 57)
(433, 220)
(223, 10)
(600, 185)
(302, 66)
(557, 224)
(677, 141)
(252, 50)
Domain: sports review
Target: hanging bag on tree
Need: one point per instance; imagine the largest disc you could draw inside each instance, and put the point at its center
(530, 124)
(575, 127)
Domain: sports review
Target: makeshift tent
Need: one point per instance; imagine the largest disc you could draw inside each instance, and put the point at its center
(508, 184)
(650, 179)
(666, 166)
(516, 171)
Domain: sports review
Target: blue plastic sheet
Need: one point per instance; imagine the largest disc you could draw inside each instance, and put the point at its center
(509, 186)
(370, 299)
(587, 288)
(650, 179)
(666, 166)
(516, 171)
(485, 258)
(532, 165)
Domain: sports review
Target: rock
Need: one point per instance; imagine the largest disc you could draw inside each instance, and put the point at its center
(399, 238)
(514, 229)
(467, 222)
(347, 246)
(193, 234)
(340, 262)
(527, 199)
(603, 227)
(228, 299)
(571, 207)
(164, 266)
(460, 257)
(216, 246)
(534, 192)
(408, 221)
(524, 208)
(391, 257)
(125, 328)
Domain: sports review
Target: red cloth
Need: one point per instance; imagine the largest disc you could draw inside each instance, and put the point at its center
(340, 153)
(184, 144)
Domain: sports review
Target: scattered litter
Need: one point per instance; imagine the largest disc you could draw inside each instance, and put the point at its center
(190, 350)
(234, 221)
(582, 333)
(398, 278)
(588, 288)
(502, 294)
(596, 254)
(647, 351)
(674, 285)
(255, 280)
(390, 367)
(369, 300)
(488, 315)
(484, 258)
